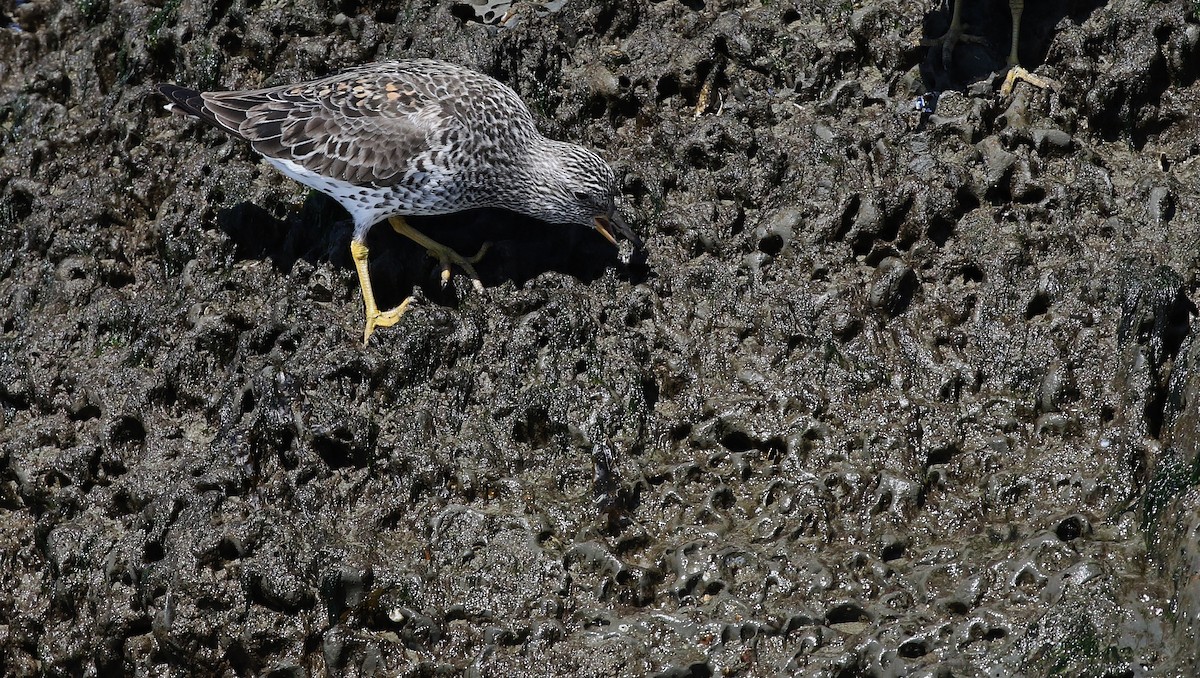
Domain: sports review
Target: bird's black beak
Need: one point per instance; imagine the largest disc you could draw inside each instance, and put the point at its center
(607, 223)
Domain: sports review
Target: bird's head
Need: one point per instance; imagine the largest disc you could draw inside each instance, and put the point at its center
(585, 193)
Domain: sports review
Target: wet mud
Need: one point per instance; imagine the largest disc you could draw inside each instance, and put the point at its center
(904, 382)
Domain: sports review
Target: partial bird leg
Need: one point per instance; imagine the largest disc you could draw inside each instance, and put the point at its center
(443, 254)
(1015, 71)
(375, 317)
(1016, 7)
(954, 35)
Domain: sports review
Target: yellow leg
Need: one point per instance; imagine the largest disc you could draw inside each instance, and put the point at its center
(443, 254)
(375, 317)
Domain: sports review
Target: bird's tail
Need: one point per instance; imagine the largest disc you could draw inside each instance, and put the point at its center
(183, 100)
(186, 101)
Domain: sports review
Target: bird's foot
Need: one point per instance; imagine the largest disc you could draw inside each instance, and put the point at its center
(1016, 72)
(447, 256)
(377, 318)
(374, 317)
(443, 254)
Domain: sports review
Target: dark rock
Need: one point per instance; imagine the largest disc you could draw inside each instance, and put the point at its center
(898, 387)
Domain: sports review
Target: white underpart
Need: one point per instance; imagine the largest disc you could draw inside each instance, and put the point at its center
(357, 200)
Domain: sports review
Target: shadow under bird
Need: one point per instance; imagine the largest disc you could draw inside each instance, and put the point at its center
(957, 32)
(414, 137)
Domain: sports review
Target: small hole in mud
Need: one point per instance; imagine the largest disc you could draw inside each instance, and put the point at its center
(967, 200)
(737, 441)
(462, 12)
(738, 223)
(596, 107)
(154, 552)
(849, 213)
(650, 392)
(771, 244)
(1025, 578)
(956, 607)
(722, 499)
(1038, 305)
(334, 450)
(971, 273)
(127, 430)
(19, 208)
(86, 413)
(942, 455)
(228, 550)
(668, 86)
(535, 430)
(1069, 529)
(940, 231)
(911, 649)
(892, 552)
(122, 504)
(845, 614)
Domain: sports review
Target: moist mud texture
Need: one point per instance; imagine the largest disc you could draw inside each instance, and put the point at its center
(904, 383)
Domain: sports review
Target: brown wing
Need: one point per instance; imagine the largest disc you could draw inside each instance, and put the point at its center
(363, 126)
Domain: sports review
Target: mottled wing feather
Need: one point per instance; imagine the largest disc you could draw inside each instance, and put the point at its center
(361, 127)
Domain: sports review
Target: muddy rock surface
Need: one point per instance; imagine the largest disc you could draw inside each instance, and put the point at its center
(904, 382)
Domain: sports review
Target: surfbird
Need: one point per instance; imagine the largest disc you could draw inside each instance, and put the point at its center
(414, 137)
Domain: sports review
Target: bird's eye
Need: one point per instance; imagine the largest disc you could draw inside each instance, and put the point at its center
(582, 197)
